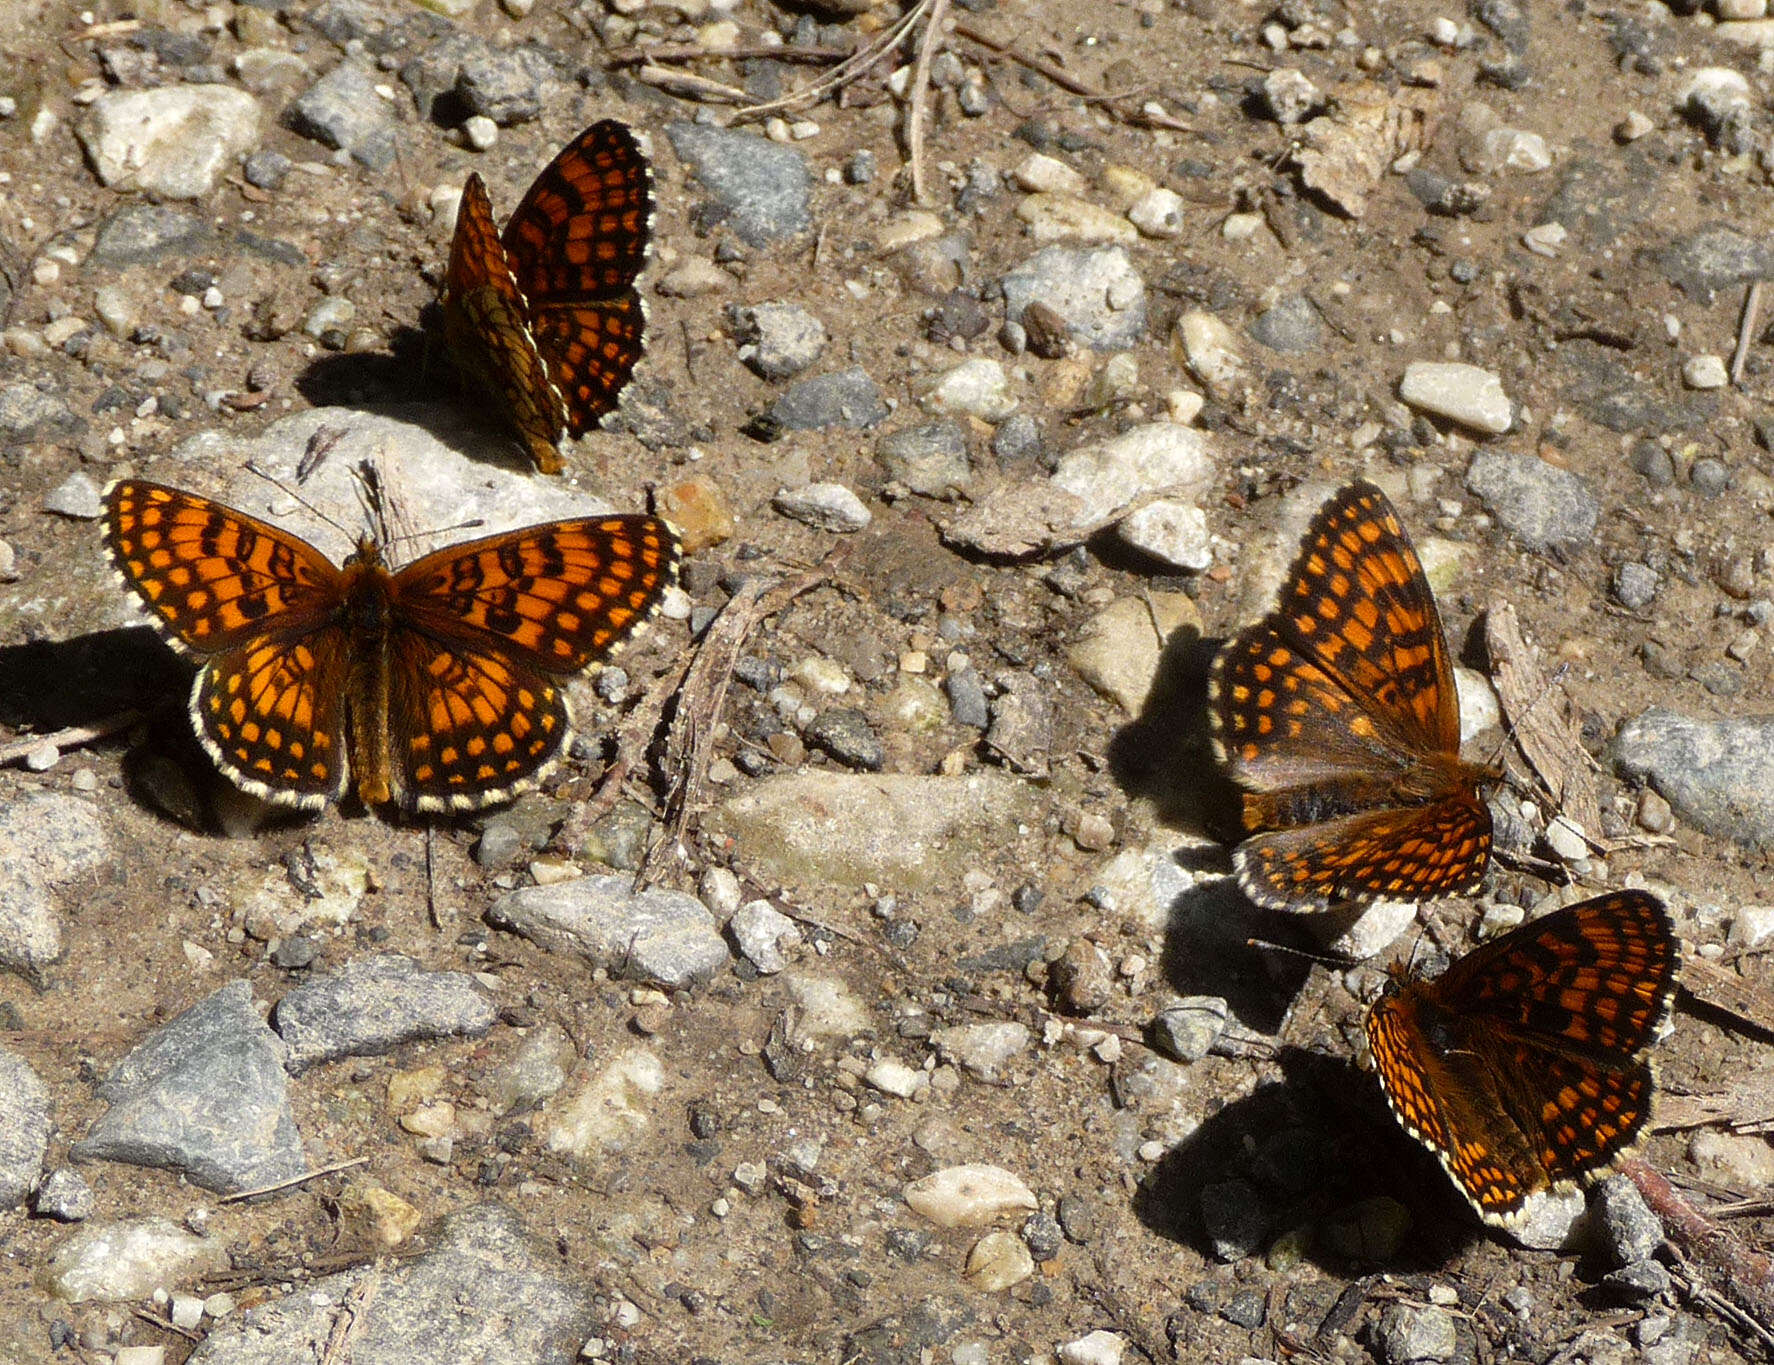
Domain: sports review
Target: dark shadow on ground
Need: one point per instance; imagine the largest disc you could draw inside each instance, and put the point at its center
(1317, 1154)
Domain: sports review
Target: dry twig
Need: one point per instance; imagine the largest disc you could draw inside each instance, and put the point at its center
(842, 74)
(690, 742)
(918, 105)
(1746, 331)
(70, 738)
(1738, 1272)
(1110, 100)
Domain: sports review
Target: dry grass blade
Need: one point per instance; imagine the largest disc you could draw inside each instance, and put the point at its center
(72, 737)
(1110, 100)
(842, 74)
(1541, 723)
(689, 744)
(918, 106)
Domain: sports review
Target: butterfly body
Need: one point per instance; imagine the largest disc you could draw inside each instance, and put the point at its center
(1522, 1066)
(434, 687)
(1338, 716)
(544, 316)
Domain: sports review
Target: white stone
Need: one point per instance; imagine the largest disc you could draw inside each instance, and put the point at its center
(762, 933)
(824, 506)
(1742, 9)
(1566, 840)
(1750, 33)
(1210, 351)
(997, 1261)
(1545, 239)
(1751, 926)
(1291, 95)
(609, 1109)
(1551, 1220)
(1174, 532)
(1516, 149)
(969, 1196)
(1093, 1348)
(121, 1261)
(175, 141)
(1466, 394)
(1159, 457)
(1067, 218)
(984, 1049)
(1479, 708)
(139, 1355)
(720, 891)
(481, 132)
(1158, 213)
(893, 1077)
(974, 388)
(1705, 372)
(1376, 928)
(1043, 173)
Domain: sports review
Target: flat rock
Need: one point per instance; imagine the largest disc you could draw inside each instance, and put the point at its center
(1159, 457)
(1097, 291)
(118, 1261)
(663, 936)
(343, 110)
(140, 234)
(373, 1004)
(1466, 394)
(846, 398)
(899, 829)
(27, 413)
(24, 1128)
(485, 1291)
(1718, 775)
(1541, 505)
(46, 840)
(174, 141)
(758, 188)
(207, 1096)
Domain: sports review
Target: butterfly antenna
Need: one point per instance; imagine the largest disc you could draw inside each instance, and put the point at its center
(1324, 959)
(253, 467)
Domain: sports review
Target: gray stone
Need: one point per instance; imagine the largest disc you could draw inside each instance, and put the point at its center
(500, 85)
(24, 1128)
(175, 141)
(1541, 505)
(205, 1095)
(77, 497)
(435, 72)
(1188, 1029)
(1718, 775)
(115, 1262)
(1021, 732)
(139, 234)
(967, 699)
(761, 932)
(825, 507)
(373, 1004)
(343, 110)
(1635, 585)
(930, 459)
(1235, 1219)
(1709, 476)
(778, 340)
(1409, 1334)
(1290, 326)
(46, 841)
(759, 188)
(64, 1196)
(1624, 1224)
(27, 413)
(908, 831)
(266, 169)
(1716, 257)
(656, 935)
(1637, 1282)
(845, 733)
(1018, 437)
(1095, 290)
(485, 1291)
(846, 398)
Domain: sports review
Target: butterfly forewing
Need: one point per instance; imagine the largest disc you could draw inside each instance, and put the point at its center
(1337, 715)
(486, 323)
(1521, 1066)
(212, 577)
(555, 596)
(581, 231)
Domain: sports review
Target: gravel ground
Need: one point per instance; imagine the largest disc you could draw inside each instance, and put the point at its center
(939, 1035)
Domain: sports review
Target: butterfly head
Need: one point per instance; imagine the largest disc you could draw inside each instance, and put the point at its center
(368, 553)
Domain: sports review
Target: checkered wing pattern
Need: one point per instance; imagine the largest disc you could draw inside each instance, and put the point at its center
(487, 326)
(1337, 714)
(437, 687)
(1521, 1067)
(260, 607)
(546, 316)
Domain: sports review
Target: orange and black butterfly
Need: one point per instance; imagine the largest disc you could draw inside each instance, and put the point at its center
(1522, 1065)
(437, 686)
(545, 316)
(1337, 715)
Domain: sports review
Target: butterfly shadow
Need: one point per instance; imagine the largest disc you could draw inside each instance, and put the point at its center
(1315, 1155)
(127, 685)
